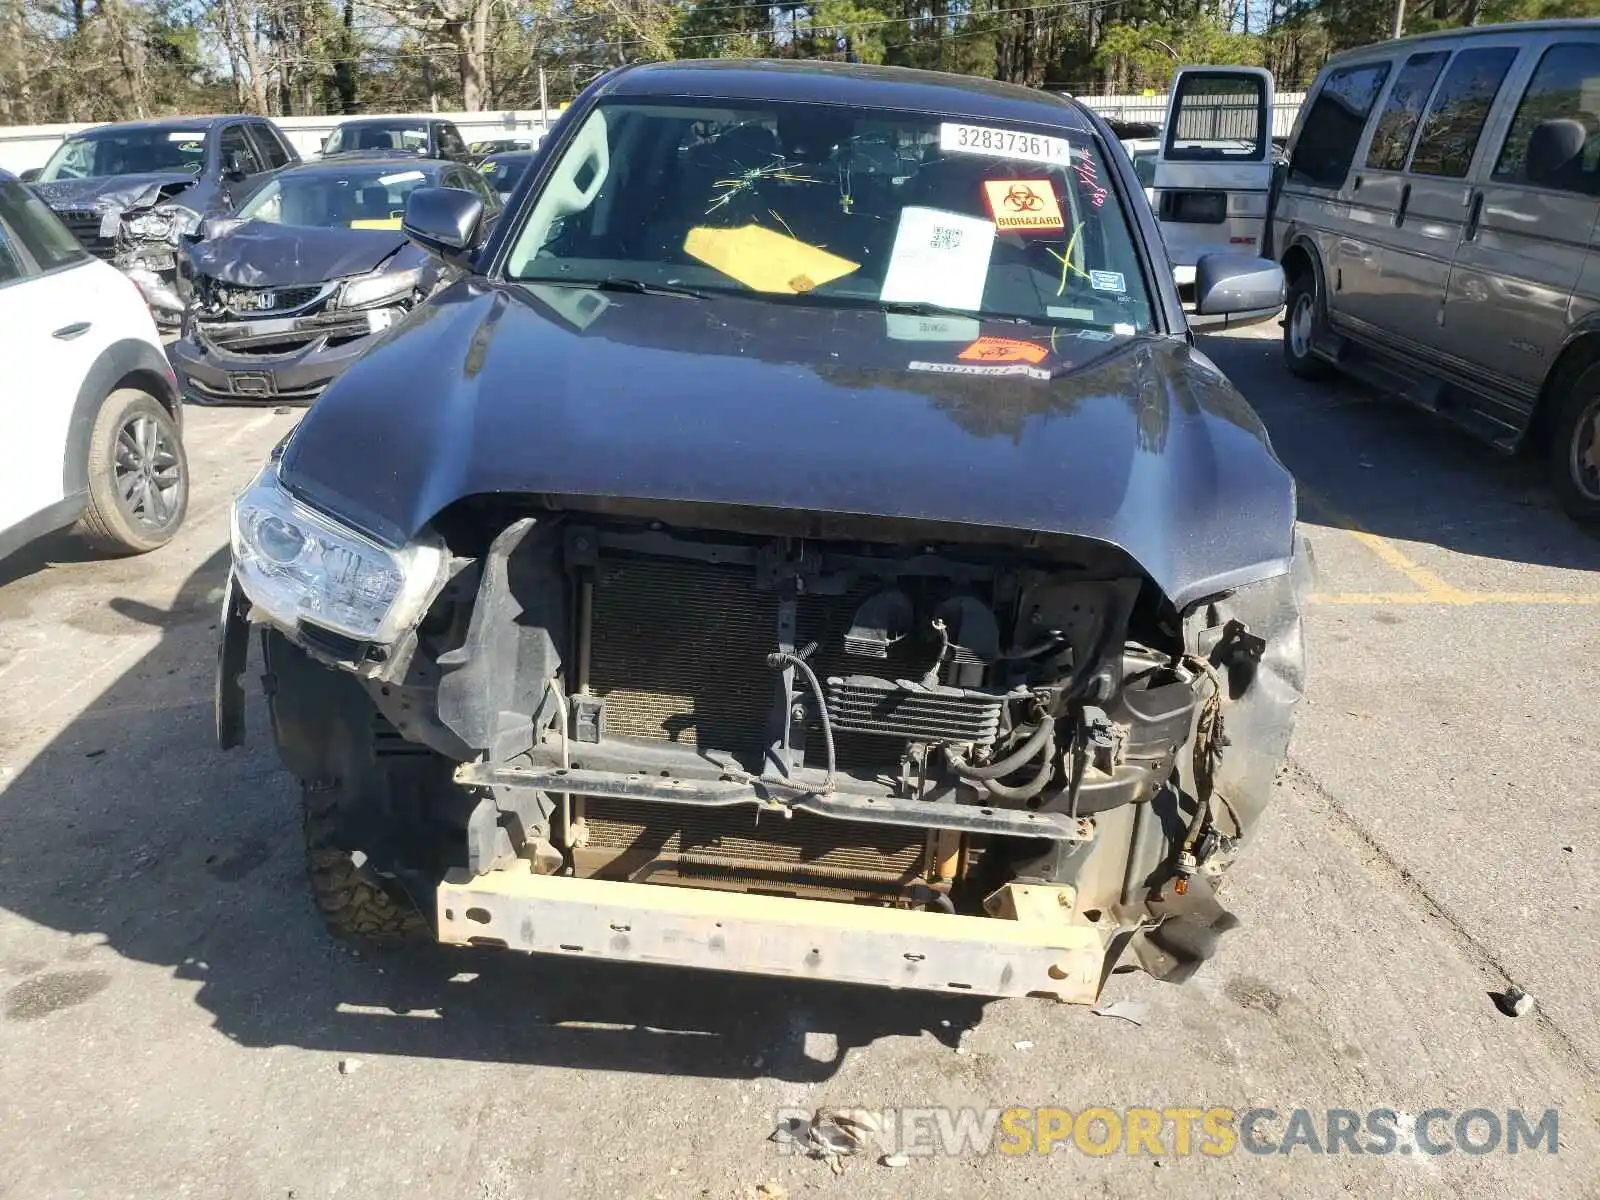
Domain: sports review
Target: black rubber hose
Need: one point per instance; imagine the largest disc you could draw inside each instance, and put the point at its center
(782, 658)
(1014, 761)
(1034, 786)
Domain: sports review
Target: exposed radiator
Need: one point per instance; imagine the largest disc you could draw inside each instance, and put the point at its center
(679, 653)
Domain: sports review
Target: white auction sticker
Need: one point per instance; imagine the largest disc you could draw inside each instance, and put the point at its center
(401, 177)
(939, 258)
(1003, 143)
(1022, 369)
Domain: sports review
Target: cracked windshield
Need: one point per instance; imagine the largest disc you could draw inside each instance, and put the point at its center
(813, 204)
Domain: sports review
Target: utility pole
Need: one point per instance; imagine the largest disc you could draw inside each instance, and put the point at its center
(544, 103)
(1399, 17)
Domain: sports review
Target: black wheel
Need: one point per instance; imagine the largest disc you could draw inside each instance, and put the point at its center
(138, 475)
(1302, 319)
(354, 903)
(1575, 449)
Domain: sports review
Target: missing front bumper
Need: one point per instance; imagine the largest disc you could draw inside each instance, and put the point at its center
(1036, 949)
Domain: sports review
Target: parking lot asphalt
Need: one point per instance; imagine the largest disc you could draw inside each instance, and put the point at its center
(173, 1020)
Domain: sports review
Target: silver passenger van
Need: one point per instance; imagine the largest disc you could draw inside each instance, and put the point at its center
(1438, 220)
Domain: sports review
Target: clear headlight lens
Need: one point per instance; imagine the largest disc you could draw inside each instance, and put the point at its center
(294, 562)
(170, 221)
(385, 288)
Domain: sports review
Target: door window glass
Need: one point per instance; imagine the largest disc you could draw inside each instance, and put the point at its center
(1459, 110)
(234, 142)
(269, 148)
(1391, 138)
(1555, 138)
(1332, 129)
(27, 219)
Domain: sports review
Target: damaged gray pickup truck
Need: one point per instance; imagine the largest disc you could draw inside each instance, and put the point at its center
(806, 541)
(135, 194)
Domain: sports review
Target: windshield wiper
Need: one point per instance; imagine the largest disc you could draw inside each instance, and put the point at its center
(617, 283)
(921, 308)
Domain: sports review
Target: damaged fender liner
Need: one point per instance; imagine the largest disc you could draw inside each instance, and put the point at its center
(772, 935)
(786, 799)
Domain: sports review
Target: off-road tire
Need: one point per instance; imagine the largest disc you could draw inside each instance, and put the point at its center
(1302, 362)
(355, 905)
(107, 523)
(1576, 416)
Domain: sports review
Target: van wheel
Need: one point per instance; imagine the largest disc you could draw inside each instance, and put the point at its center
(1575, 449)
(138, 475)
(1300, 329)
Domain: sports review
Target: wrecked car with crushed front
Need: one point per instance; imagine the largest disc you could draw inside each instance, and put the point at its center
(133, 193)
(806, 542)
(291, 291)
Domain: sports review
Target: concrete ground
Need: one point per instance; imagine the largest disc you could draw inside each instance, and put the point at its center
(173, 1020)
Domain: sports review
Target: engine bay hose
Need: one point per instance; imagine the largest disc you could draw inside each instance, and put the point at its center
(784, 658)
(1014, 761)
(1027, 791)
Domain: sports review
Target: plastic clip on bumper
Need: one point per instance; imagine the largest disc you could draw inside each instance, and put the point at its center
(1034, 949)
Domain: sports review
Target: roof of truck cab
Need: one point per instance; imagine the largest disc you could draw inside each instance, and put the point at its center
(173, 123)
(1556, 25)
(850, 86)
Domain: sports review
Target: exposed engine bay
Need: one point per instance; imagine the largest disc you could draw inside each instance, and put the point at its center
(834, 708)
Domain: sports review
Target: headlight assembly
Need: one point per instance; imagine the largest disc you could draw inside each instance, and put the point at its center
(168, 221)
(384, 288)
(297, 563)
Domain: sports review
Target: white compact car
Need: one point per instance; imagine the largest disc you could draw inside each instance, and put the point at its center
(93, 404)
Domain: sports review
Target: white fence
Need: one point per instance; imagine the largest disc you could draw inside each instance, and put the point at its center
(1153, 109)
(25, 146)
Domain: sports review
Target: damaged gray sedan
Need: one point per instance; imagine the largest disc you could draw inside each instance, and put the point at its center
(284, 297)
(806, 541)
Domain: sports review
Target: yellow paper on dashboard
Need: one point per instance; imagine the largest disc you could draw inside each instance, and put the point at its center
(380, 223)
(764, 260)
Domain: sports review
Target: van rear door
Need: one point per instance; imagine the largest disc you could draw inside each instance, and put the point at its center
(1214, 168)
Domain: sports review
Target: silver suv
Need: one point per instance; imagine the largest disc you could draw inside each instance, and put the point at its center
(1439, 223)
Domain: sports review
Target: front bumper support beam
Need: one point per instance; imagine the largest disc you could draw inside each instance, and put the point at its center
(1039, 951)
(784, 799)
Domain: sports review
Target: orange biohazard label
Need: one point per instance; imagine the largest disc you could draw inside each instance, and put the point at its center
(1003, 350)
(1023, 205)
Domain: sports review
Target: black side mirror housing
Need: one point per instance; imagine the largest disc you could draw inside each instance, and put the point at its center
(30, 174)
(235, 167)
(1226, 284)
(445, 222)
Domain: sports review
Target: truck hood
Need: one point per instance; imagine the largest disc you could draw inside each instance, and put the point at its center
(264, 254)
(1139, 442)
(112, 191)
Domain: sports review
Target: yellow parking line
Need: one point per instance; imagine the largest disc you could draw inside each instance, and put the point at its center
(1432, 589)
(1436, 590)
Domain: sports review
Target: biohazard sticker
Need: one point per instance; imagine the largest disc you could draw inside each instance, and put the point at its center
(1003, 350)
(1023, 205)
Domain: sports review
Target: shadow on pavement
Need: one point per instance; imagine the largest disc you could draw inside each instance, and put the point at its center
(132, 828)
(1394, 470)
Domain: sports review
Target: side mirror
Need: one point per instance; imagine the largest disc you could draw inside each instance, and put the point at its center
(235, 166)
(1228, 285)
(30, 174)
(444, 222)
